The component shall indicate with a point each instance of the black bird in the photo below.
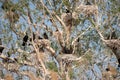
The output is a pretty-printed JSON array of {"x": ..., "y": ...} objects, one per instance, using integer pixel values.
[
  {"x": 119, "y": 62},
  {"x": 107, "y": 69},
  {"x": 78, "y": 39},
  {"x": 39, "y": 37},
  {"x": 65, "y": 50},
  {"x": 25, "y": 39},
  {"x": 1, "y": 47},
  {"x": 88, "y": 3},
  {"x": 45, "y": 36},
  {"x": 67, "y": 11}
]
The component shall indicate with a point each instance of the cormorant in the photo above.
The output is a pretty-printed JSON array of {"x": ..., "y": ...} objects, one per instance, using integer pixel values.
[
  {"x": 1, "y": 47},
  {"x": 45, "y": 35},
  {"x": 67, "y": 11},
  {"x": 25, "y": 39}
]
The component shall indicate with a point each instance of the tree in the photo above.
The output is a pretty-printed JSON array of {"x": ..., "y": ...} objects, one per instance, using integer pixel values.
[{"x": 59, "y": 39}]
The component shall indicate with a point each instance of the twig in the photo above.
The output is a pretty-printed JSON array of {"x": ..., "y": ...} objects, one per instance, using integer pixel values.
[
  {"x": 4, "y": 57},
  {"x": 49, "y": 13},
  {"x": 67, "y": 76},
  {"x": 80, "y": 35},
  {"x": 51, "y": 50},
  {"x": 31, "y": 75},
  {"x": 58, "y": 18},
  {"x": 37, "y": 49}
]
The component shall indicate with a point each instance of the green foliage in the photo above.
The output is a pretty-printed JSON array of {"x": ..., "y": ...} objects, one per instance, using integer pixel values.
[
  {"x": 52, "y": 66},
  {"x": 54, "y": 46},
  {"x": 71, "y": 74},
  {"x": 88, "y": 56},
  {"x": 66, "y": 3},
  {"x": 115, "y": 6}
]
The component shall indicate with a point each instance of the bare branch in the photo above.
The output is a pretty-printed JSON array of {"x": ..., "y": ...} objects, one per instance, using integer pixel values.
[{"x": 31, "y": 75}]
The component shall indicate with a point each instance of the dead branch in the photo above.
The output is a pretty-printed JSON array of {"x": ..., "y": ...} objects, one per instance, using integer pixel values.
[
  {"x": 31, "y": 75},
  {"x": 59, "y": 37},
  {"x": 37, "y": 50},
  {"x": 39, "y": 59},
  {"x": 51, "y": 50}
]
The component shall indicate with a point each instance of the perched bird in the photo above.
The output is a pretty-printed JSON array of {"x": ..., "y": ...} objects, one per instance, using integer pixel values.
[
  {"x": 65, "y": 50},
  {"x": 88, "y": 3},
  {"x": 25, "y": 39},
  {"x": 78, "y": 39},
  {"x": 45, "y": 35},
  {"x": 39, "y": 37},
  {"x": 67, "y": 11},
  {"x": 1, "y": 47},
  {"x": 119, "y": 62},
  {"x": 33, "y": 36}
]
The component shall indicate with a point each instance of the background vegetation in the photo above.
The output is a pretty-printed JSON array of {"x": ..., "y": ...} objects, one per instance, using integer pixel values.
[{"x": 59, "y": 39}]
